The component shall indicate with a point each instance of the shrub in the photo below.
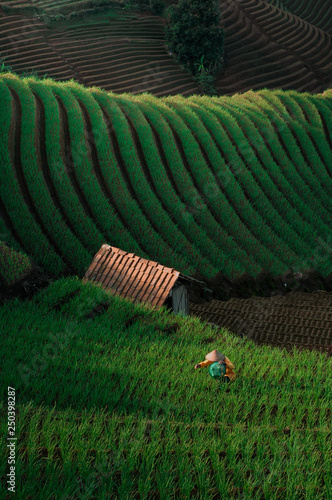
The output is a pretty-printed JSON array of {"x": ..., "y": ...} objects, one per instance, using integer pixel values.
[{"x": 207, "y": 83}]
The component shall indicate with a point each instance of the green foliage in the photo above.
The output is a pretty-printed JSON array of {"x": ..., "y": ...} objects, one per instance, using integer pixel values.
[
  {"x": 149, "y": 215},
  {"x": 213, "y": 212},
  {"x": 4, "y": 68},
  {"x": 227, "y": 199},
  {"x": 85, "y": 228},
  {"x": 46, "y": 212},
  {"x": 22, "y": 220},
  {"x": 193, "y": 32},
  {"x": 201, "y": 68},
  {"x": 158, "y": 7},
  {"x": 207, "y": 82},
  {"x": 180, "y": 232},
  {"x": 104, "y": 214}
]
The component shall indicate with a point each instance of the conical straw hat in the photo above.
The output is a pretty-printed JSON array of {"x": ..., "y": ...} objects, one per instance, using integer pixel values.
[{"x": 215, "y": 356}]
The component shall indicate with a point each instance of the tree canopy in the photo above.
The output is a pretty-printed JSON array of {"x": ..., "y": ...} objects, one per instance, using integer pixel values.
[{"x": 194, "y": 34}]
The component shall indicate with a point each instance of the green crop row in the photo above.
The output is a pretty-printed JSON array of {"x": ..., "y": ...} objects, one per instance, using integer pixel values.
[
  {"x": 305, "y": 151},
  {"x": 251, "y": 222},
  {"x": 24, "y": 223},
  {"x": 135, "y": 219},
  {"x": 104, "y": 213},
  {"x": 281, "y": 192},
  {"x": 172, "y": 241},
  {"x": 245, "y": 231},
  {"x": 233, "y": 184},
  {"x": 6, "y": 235},
  {"x": 297, "y": 143},
  {"x": 57, "y": 159},
  {"x": 301, "y": 177},
  {"x": 253, "y": 179},
  {"x": 56, "y": 229},
  {"x": 317, "y": 226},
  {"x": 315, "y": 112},
  {"x": 193, "y": 214},
  {"x": 298, "y": 181},
  {"x": 193, "y": 180},
  {"x": 165, "y": 191}
]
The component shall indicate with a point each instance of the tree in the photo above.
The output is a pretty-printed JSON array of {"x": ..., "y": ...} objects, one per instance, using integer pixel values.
[{"x": 194, "y": 34}]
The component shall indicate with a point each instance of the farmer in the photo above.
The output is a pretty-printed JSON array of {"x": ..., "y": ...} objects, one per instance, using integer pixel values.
[{"x": 216, "y": 356}]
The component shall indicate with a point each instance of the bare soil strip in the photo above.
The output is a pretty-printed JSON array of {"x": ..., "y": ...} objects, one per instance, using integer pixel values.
[{"x": 279, "y": 321}]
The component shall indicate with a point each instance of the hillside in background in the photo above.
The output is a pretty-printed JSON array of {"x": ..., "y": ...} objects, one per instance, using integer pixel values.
[
  {"x": 285, "y": 45},
  {"x": 117, "y": 50},
  {"x": 269, "y": 46},
  {"x": 233, "y": 185},
  {"x": 316, "y": 12}
]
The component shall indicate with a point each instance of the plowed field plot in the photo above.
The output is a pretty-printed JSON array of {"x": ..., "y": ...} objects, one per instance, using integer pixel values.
[
  {"x": 121, "y": 54},
  {"x": 303, "y": 320}
]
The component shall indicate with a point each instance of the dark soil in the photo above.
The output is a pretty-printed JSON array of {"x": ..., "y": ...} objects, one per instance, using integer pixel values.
[
  {"x": 296, "y": 319},
  {"x": 26, "y": 288},
  {"x": 264, "y": 285}
]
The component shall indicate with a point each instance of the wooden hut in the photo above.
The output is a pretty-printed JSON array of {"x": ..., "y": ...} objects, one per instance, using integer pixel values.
[{"x": 139, "y": 279}]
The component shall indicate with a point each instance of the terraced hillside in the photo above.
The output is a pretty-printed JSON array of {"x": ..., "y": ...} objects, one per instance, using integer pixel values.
[
  {"x": 275, "y": 44},
  {"x": 233, "y": 185},
  {"x": 117, "y": 51},
  {"x": 316, "y": 12},
  {"x": 267, "y": 46}
]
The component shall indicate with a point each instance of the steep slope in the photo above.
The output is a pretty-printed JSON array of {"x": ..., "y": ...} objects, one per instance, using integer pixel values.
[{"x": 272, "y": 48}]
